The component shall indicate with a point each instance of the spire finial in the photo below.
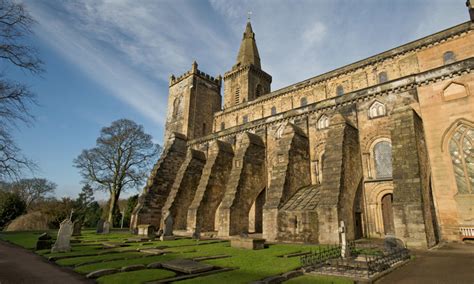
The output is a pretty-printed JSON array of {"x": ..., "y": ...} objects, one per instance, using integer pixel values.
[{"x": 249, "y": 14}]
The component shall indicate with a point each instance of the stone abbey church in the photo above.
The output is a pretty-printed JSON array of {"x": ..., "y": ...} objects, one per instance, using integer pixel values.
[{"x": 384, "y": 144}]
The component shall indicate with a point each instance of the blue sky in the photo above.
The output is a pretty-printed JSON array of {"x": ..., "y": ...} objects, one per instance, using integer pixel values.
[{"x": 111, "y": 59}]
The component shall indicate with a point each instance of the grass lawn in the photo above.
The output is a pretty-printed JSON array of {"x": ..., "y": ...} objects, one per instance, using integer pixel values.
[
  {"x": 320, "y": 279},
  {"x": 251, "y": 265},
  {"x": 136, "y": 276}
]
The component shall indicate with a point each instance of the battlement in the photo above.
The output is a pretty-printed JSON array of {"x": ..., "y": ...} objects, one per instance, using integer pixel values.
[{"x": 195, "y": 71}]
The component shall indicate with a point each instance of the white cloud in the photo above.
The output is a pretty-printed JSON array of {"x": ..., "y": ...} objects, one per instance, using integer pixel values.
[{"x": 314, "y": 34}]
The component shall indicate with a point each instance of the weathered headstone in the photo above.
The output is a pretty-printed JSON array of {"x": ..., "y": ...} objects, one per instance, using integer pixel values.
[
  {"x": 345, "y": 250},
  {"x": 44, "y": 242},
  {"x": 100, "y": 226},
  {"x": 63, "y": 242},
  {"x": 167, "y": 228},
  {"x": 197, "y": 233},
  {"x": 392, "y": 243},
  {"x": 106, "y": 228},
  {"x": 77, "y": 228}
]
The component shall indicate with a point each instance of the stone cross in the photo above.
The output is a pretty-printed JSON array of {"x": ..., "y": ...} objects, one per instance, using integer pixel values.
[
  {"x": 345, "y": 250},
  {"x": 63, "y": 242},
  {"x": 249, "y": 14}
]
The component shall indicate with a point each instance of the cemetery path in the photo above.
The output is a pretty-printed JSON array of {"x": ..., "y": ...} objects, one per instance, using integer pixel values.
[
  {"x": 18, "y": 265},
  {"x": 450, "y": 263}
]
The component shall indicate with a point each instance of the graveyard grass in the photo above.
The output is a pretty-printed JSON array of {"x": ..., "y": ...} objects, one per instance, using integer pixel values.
[{"x": 89, "y": 255}]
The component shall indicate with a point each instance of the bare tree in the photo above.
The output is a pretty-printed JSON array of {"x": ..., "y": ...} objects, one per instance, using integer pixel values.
[
  {"x": 33, "y": 190},
  {"x": 121, "y": 160},
  {"x": 15, "y": 97}
]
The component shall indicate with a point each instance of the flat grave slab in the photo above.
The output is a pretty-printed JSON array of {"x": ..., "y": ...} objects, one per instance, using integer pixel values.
[
  {"x": 187, "y": 266},
  {"x": 153, "y": 251},
  {"x": 247, "y": 243}
]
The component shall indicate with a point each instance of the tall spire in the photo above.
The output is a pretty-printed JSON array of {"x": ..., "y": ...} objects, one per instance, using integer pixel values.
[{"x": 248, "y": 52}]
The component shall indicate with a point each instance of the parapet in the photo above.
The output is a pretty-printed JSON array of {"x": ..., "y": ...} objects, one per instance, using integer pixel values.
[{"x": 195, "y": 71}]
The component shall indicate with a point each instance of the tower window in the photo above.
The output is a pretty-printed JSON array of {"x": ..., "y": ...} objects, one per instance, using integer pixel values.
[
  {"x": 222, "y": 126},
  {"x": 203, "y": 129},
  {"x": 303, "y": 101},
  {"x": 383, "y": 77},
  {"x": 237, "y": 95},
  {"x": 273, "y": 110},
  {"x": 339, "y": 90},
  {"x": 449, "y": 57},
  {"x": 245, "y": 118}
]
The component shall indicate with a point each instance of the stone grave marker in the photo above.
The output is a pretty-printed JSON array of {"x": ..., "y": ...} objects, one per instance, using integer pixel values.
[
  {"x": 100, "y": 226},
  {"x": 345, "y": 249},
  {"x": 391, "y": 243},
  {"x": 44, "y": 242},
  {"x": 77, "y": 228},
  {"x": 146, "y": 230},
  {"x": 63, "y": 242},
  {"x": 168, "y": 228},
  {"x": 187, "y": 266},
  {"x": 106, "y": 228},
  {"x": 197, "y": 233}
]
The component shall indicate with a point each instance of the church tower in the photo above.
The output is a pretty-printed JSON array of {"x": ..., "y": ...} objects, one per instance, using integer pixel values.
[
  {"x": 246, "y": 81},
  {"x": 193, "y": 99}
]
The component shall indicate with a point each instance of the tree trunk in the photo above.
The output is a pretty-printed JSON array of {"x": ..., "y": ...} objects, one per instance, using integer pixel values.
[{"x": 112, "y": 203}]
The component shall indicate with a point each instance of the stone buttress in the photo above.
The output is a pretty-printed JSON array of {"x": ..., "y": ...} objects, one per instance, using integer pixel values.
[
  {"x": 157, "y": 189},
  {"x": 184, "y": 188},
  {"x": 211, "y": 188},
  {"x": 247, "y": 180}
]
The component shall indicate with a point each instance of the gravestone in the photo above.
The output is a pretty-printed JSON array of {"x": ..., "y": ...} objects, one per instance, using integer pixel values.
[
  {"x": 77, "y": 228},
  {"x": 187, "y": 266},
  {"x": 63, "y": 242},
  {"x": 44, "y": 242},
  {"x": 391, "y": 243},
  {"x": 345, "y": 249},
  {"x": 100, "y": 226},
  {"x": 197, "y": 233},
  {"x": 168, "y": 228},
  {"x": 106, "y": 228}
]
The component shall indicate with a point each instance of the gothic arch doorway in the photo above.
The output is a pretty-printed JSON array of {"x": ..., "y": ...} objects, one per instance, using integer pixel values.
[
  {"x": 387, "y": 214},
  {"x": 256, "y": 214}
]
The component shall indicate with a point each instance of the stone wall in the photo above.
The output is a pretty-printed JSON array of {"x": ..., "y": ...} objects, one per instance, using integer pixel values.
[
  {"x": 211, "y": 188},
  {"x": 247, "y": 180},
  {"x": 184, "y": 188},
  {"x": 157, "y": 189}
]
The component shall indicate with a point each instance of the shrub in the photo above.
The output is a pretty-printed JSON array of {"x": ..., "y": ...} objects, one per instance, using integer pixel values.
[{"x": 11, "y": 206}]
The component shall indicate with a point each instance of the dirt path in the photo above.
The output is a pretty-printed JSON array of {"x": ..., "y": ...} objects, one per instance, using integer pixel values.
[
  {"x": 450, "y": 263},
  {"x": 18, "y": 265}
]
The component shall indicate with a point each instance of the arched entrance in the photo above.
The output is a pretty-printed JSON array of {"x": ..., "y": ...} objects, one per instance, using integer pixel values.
[
  {"x": 387, "y": 214},
  {"x": 256, "y": 214}
]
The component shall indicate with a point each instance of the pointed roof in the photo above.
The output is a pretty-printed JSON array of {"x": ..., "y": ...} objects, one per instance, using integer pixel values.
[{"x": 248, "y": 52}]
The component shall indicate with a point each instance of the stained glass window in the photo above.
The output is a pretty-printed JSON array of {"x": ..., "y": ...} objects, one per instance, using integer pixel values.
[
  {"x": 462, "y": 156},
  {"x": 383, "y": 159}
]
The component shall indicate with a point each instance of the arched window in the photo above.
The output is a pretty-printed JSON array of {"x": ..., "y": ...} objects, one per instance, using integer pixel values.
[
  {"x": 273, "y": 110},
  {"x": 377, "y": 109},
  {"x": 461, "y": 149},
  {"x": 245, "y": 118},
  {"x": 303, "y": 101},
  {"x": 383, "y": 159},
  {"x": 204, "y": 129},
  {"x": 449, "y": 57},
  {"x": 222, "y": 126},
  {"x": 237, "y": 95},
  {"x": 339, "y": 90},
  {"x": 258, "y": 91},
  {"x": 323, "y": 122},
  {"x": 383, "y": 77},
  {"x": 320, "y": 166},
  {"x": 176, "y": 104}
]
